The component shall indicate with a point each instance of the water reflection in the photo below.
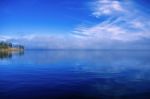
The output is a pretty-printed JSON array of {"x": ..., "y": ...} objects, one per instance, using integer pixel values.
[
  {"x": 10, "y": 54},
  {"x": 5, "y": 55}
]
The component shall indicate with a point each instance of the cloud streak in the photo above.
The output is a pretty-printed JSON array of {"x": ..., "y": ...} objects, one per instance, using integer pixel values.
[
  {"x": 106, "y": 7},
  {"x": 121, "y": 24}
]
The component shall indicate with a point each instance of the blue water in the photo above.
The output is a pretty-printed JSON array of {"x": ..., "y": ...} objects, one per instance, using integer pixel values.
[{"x": 103, "y": 74}]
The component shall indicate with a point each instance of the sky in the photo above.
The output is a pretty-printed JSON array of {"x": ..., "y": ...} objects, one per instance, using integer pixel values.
[{"x": 76, "y": 24}]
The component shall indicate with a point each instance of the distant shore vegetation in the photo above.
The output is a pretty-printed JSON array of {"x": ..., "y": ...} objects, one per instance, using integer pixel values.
[{"x": 7, "y": 46}]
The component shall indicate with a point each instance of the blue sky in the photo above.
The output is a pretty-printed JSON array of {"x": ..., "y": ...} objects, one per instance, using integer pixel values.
[
  {"x": 76, "y": 24},
  {"x": 41, "y": 16}
]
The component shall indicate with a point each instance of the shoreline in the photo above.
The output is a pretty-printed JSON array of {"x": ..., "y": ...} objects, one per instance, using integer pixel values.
[{"x": 11, "y": 49}]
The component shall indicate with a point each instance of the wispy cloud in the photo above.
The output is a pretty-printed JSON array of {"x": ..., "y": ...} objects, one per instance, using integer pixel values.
[
  {"x": 124, "y": 22},
  {"x": 106, "y": 7}
]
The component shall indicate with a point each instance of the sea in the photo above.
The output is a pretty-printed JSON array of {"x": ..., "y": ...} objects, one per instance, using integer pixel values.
[{"x": 75, "y": 74}]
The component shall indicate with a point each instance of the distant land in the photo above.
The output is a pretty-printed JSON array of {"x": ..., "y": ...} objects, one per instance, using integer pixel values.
[{"x": 9, "y": 47}]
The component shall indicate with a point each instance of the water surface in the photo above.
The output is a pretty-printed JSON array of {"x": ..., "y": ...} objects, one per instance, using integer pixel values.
[{"x": 103, "y": 74}]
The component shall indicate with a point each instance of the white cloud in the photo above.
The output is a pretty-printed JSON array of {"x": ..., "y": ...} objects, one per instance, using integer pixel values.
[
  {"x": 124, "y": 22},
  {"x": 4, "y": 38},
  {"x": 106, "y": 7}
]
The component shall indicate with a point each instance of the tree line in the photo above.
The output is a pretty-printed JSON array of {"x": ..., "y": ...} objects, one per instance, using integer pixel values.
[{"x": 5, "y": 45}]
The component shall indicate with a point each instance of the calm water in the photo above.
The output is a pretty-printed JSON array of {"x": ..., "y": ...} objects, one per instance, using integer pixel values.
[{"x": 75, "y": 75}]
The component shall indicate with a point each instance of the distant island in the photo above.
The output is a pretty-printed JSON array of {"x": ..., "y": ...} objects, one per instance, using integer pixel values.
[{"x": 9, "y": 47}]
